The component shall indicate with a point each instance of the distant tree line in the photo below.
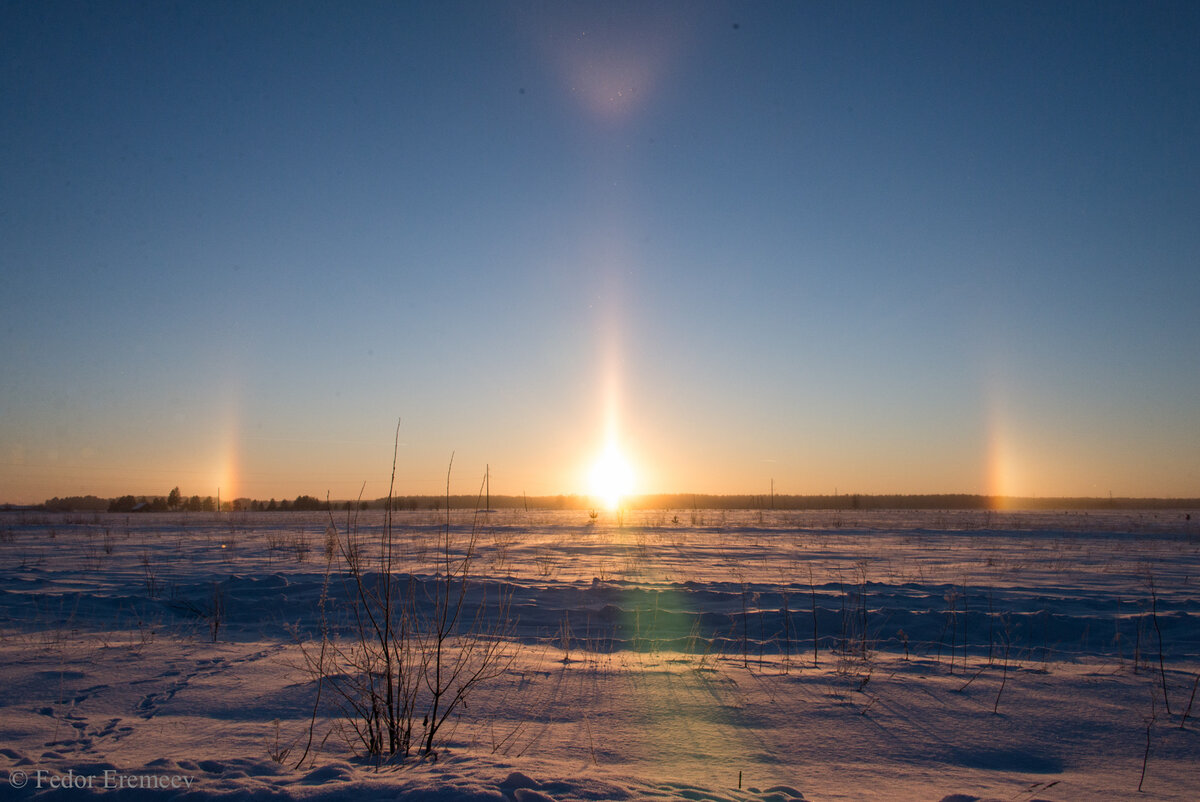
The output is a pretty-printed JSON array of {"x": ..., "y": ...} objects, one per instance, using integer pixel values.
[
  {"x": 175, "y": 501},
  {"x": 76, "y": 504}
]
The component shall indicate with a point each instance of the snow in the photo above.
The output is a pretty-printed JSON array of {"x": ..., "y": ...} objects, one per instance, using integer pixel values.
[{"x": 960, "y": 656}]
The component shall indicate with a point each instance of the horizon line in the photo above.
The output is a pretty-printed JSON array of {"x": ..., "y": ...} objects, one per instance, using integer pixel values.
[{"x": 673, "y": 500}]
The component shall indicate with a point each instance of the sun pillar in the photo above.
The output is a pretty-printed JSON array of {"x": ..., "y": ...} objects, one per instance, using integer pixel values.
[{"x": 611, "y": 478}]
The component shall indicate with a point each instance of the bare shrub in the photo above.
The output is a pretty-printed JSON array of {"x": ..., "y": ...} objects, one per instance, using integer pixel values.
[
  {"x": 417, "y": 647},
  {"x": 150, "y": 575},
  {"x": 546, "y": 563},
  {"x": 301, "y": 547},
  {"x": 502, "y": 540},
  {"x": 275, "y": 540},
  {"x": 211, "y": 611},
  {"x": 331, "y": 541},
  {"x": 276, "y": 750}
]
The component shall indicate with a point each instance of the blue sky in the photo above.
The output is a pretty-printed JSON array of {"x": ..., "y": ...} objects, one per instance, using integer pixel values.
[{"x": 872, "y": 247}]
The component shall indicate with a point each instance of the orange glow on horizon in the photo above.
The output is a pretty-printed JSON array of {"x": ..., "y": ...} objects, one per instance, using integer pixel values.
[
  {"x": 611, "y": 477},
  {"x": 229, "y": 457}
]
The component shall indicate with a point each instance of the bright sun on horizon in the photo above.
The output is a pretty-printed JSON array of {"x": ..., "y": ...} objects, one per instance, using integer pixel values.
[{"x": 611, "y": 478}]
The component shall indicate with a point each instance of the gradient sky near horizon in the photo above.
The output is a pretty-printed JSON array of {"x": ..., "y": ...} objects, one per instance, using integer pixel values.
[{"x": 864, "y": 247}]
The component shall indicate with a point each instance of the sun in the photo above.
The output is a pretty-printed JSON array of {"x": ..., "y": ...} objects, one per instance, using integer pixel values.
[{"x": 612, "y": 478}]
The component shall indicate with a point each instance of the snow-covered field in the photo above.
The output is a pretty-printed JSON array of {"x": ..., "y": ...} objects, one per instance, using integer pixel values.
[{"x": 670, "y": 655}]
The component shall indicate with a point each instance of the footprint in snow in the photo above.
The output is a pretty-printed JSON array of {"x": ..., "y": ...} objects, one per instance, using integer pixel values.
[
  {"x": 530, "y": 795},
  {"x": 523, "y": 788}
]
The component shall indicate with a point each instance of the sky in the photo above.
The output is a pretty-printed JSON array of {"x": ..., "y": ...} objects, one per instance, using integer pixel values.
[{"x": 841, "y": 247}]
